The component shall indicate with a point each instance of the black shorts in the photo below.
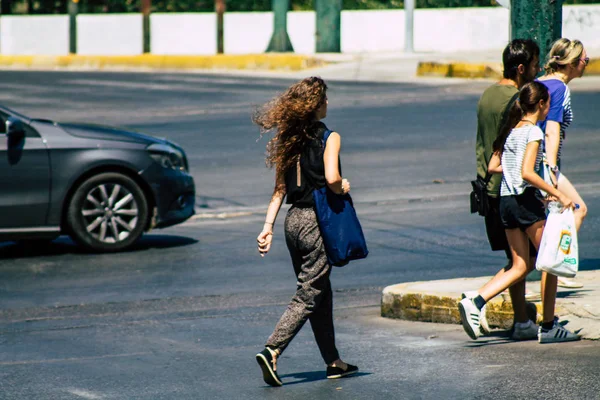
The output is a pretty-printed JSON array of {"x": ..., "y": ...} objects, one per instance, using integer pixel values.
[
  {"x": 496, "y": 232},
  {"x": 523, "y": 210}
]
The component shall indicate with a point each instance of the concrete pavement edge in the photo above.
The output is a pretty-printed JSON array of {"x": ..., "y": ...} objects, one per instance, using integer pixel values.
[
  {"x": 488, "y": 70},
  {"x": 437, "y": 301},
  {"x": 269, "y": 61}
]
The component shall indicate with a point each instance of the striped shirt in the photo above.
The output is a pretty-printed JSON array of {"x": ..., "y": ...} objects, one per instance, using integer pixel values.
[
  {"x": 512, "y": 159},
  {"x": 560, "y": 109}
]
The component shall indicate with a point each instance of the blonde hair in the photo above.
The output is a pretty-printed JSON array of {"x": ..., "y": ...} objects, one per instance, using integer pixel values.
[{"x": 564, "y": 52}]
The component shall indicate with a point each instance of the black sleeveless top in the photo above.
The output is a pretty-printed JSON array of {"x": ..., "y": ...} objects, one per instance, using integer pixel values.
[{"x": 312, "y": 172}]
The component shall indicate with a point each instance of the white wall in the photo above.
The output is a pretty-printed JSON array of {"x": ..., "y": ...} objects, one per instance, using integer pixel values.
[
  {"x": 583, "y": 23},
  {"x": 43, "y": 34},
  {"x": 247, "y": 32},
  {"x": 461, "y": 29},
  {"x": 363, "y": 31},
  {"x": 189, "y": 33},
  {"x": 109, "y": 34},
  {"x": 442, "y": 30}
]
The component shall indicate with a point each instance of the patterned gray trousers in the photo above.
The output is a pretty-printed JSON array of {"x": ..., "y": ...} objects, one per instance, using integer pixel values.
[{"x": 313, "y": 298}]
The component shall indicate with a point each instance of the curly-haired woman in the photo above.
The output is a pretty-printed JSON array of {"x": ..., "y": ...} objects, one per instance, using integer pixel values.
[{"x": 302, "y": 164}]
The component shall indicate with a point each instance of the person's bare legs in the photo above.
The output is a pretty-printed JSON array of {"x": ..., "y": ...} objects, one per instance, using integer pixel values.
[
  {"x": 519, "y": 245},
  {"x": 565, "y": 186},
  {"x": 517, "y": 291},
  {"x": 549, "y": 287}
]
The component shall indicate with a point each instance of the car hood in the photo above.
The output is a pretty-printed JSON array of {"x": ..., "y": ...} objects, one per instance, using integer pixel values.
[{"x": 102, "y": 132}]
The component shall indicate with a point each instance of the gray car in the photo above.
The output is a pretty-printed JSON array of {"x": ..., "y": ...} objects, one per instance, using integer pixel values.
[{"x": 102, "y": 186}]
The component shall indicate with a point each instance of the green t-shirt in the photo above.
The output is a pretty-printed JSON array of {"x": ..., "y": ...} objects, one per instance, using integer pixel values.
[{"x": 492, "y": 110}]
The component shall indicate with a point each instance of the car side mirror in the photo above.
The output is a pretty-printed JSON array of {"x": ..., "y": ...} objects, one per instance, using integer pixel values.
[{"x": 15, "y": 130}]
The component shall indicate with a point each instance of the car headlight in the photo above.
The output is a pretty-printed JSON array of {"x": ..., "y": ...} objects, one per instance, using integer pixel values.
[{"x": 167, "y": 156}]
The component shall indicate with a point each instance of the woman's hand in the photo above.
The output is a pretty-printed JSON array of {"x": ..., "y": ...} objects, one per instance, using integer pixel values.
[
  {"x": 264, "y": 242},
  {"x": 345, "y": 186},
  {"x": 566, "y": 202}
]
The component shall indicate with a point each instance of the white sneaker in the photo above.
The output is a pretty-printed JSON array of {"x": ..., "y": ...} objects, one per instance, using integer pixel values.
[
  {"x": 557, "y": 334},
  {"x": 483, "y": 322},
  {"x": 527, "y": 332},
  {"x": 469, "y": 316},
  {"x": 569, "y": 283}
]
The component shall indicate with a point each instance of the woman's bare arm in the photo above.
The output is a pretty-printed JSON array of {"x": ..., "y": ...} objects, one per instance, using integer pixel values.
[
  {"x": 265, "y": 238},
  {"x": 529, "y": 174},
  {"x": 332, "y": 172},
  {"x": 495, "y": 165}
]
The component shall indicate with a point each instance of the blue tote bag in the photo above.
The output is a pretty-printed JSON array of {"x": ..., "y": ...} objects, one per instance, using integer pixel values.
[{"x": 340, "y": 229}]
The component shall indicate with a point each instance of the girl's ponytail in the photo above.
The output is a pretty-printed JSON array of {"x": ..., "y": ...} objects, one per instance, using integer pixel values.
[
  {"x": 529, "y": 98},
  {"x": 515, "y": 114}
]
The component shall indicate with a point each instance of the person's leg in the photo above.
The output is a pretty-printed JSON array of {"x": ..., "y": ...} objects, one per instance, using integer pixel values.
[
  {"x": 310, "y": 264},
  {"x": 519, "y": 245},
  {"x": 321, "y": 321},
  {"x": 470, "y": 309},
  {"x": 549, "y": 281},
  {"x": 565, "y": 186},
  {"x": 549, "y": 288}
]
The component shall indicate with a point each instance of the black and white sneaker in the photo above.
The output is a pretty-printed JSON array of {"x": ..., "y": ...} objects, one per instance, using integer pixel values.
[
  {"x": 265, "y": 360},
  {"x": 337, "y": 372},
  {"x": 484, "y": 327},
  {"x": 557, "y": 334},
  {"x": 469, "y": 316}
]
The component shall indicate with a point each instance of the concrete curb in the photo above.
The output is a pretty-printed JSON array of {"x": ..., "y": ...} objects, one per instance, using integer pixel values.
[
  {"x": 276, "y": 61},
  {"x": 477, "y": 70},
  {"x": 459, "y": 70},
  {"x": 437, "y": 301},
  {"x": 403, "y": 302}
]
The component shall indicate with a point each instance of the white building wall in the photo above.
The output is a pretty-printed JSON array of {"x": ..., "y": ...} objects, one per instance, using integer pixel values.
[
  {"x": 246, "y": 33},
  {"x": 441, "y": 30},
  {"x": 583, "y": 23},
  {"x": 185, "y": 33},
  {"x": 363, "y": 31},
  {"x": 109, "y": 34},
  {"x": 40, "y": 34}
]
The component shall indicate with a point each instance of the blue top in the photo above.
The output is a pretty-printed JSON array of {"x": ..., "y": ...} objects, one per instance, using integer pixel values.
[{"x": 560, "y": 109}]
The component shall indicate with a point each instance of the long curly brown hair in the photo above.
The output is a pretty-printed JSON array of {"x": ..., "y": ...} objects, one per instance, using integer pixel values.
[{"x": 293, "y": 117}]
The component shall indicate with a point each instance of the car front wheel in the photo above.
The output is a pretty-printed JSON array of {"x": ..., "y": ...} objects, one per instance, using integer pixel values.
[{"x": 107, "y": 212}]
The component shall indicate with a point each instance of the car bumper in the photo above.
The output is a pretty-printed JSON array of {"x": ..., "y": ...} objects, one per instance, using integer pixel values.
[{"x": 174, "y": 195}]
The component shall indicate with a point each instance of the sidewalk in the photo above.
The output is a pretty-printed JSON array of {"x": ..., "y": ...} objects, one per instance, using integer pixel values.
[
  {"x": 437, "y": 301},
  {"x": 357, "y": 67}
]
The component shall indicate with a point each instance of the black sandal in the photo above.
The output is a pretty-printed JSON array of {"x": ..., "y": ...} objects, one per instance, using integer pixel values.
[
  {"x": 265, "y": 360},
  {"x": 337, "y": 372}
]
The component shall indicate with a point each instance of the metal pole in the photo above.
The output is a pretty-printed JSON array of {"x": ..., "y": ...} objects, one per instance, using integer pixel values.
[
  {"x": 540, "y": 20},
  {"x": 146, "y": 6},
  {"x": 409, "y": 18},
  {"x": 280, "y": 41},
  {"x": 73, "y": 10},
  {"x": 329, "y": 20},
  {"x": 220, "y": 10}
]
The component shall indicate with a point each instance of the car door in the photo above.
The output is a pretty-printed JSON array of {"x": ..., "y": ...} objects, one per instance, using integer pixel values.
[{"x": 24, "y": 179}]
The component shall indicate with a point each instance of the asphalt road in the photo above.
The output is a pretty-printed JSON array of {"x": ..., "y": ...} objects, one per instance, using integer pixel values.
[{"x": 182, "y": 314}]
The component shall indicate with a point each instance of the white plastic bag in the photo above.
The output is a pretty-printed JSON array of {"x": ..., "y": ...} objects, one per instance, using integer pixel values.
[{"x": 558, "y": 253}]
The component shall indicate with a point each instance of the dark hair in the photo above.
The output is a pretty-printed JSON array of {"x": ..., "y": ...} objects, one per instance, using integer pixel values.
[
  {"x": 517, "y": 52},
  {"x": 292, "y": 115},
  {"x": 529, "y": 98}
]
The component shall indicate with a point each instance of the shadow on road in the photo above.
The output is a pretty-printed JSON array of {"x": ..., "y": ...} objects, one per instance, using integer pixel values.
[
  {"x": 64, "y": 245},
  {"x": 312, "y": 376}
]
